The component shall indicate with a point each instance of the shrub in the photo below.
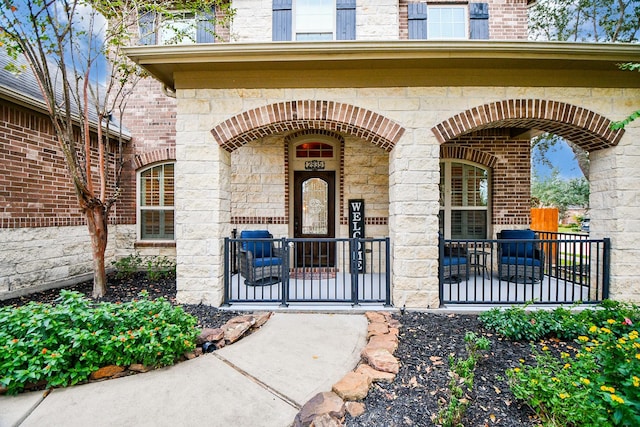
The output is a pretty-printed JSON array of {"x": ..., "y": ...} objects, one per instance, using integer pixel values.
[
  {"x": 160, "y": 267},
  {"x": 127, "y": 266},
  {"x": 62, "y": 344},
  {"x": 156, "y": 267},
  {"x": 597, "y": 385}
]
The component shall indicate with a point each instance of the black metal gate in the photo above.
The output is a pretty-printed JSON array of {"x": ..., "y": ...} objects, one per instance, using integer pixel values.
[{"x": 270, "y": 271}]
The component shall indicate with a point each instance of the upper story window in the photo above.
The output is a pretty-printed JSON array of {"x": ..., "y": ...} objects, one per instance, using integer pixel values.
[
  {"x": 448, "y": 21},
  {"x": 314, "y": 20},
  {"x": 307, "y": 20},
  {"x": 156, "y": 203},
  {"x": 179, "y": 28}
]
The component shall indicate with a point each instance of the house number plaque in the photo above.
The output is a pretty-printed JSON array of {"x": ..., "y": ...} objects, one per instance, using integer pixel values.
[{"x": 314, "y": 165}]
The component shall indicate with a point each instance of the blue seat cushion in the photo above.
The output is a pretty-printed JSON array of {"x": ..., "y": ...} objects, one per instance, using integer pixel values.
[
  {"x": 454, "y": 260},
  {"x": 267, "y": 262},
  {"x": 518, "y": 249},
  {"x": 259, "y": 249},
  {"x": 512, "y": 260}
]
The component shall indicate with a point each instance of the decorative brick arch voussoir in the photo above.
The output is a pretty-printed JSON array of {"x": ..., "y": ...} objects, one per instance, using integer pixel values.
[
  {"x": 466, "y": 153},
  {"x": 161, "y": 155},
  {"x": 583, "y": 127},
  {"x": 233, "y": 133}
]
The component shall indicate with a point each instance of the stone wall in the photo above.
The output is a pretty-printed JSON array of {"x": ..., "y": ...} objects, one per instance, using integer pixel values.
[
  {"x": 413, "y": 175},
  {"x": 34, "y": 259}
]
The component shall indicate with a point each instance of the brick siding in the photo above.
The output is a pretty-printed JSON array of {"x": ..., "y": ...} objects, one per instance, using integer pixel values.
[
  {"x": 510, "y": 164},
  {"x": 35, "y": 187},
  {"x": 583, "y": 127},
  {"x": 326, "y": 115},
  {"x": 507, "y": 18}
]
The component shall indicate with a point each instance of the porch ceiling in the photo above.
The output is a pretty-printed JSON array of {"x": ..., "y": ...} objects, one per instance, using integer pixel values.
[{"x": 391, "y": 63}]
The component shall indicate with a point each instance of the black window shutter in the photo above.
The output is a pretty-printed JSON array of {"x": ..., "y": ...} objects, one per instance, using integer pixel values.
[
  {"x": 479, "y": 21},
  {"x": 417, "y": 21},
  {"x": 147, "y": 28},
  {"x": 205, "y": 32},
  {"x": 345, "y": 19},
  {"x": 281, "y": 20}
]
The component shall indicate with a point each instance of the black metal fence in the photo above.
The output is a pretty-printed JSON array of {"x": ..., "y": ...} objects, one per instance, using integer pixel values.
[
  {"x": 553, "y": 268},
  {"x": 286, "y": 271}
]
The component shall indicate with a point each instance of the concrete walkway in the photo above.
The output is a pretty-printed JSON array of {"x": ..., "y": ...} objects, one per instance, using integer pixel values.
[{"x": 262, "y": 380}]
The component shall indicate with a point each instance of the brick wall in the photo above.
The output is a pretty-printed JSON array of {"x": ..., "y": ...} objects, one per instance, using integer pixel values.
[
  {"x": 510, "y": 173},
  {"x": 151, "y": 119},
  {"x": 507, "y": 18},
  {"x": 35, "y": 187}
]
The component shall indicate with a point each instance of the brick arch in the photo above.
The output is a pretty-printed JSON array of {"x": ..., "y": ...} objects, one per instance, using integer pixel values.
[
  {"x": 583, "y": 127},
  {"x": 161, "y": 155},
  {"x": 259, "y": 122},
  {"x": 466, "y": 153}
]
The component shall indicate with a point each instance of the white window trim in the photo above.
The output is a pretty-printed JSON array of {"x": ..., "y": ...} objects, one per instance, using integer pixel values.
[
  {"x": 447, "y": 208},
  {"x": 139, "y": 207},
  {"x": 188, "y": 21},
  {"x": 294, "y": 26},
  {"x": 464, "y": 7}
]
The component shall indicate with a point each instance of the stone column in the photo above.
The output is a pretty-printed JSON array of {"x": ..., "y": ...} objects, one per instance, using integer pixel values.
[
  {"x": 615, "y": 209},
  {"x": 414, "y": 175},
  {"x": 202, "y": 204}
]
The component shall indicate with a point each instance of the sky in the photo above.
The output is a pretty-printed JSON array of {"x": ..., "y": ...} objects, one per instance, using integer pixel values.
[{"x": 562, "y": 158}]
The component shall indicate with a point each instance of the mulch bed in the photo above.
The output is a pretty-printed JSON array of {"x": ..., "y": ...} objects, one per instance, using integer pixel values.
[{"x": 426, "y": 341}]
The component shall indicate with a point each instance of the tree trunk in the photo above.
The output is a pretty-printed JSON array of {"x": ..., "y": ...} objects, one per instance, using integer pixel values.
[
  {"x": 97, "y": 222},
  {"x": 582, "y": 157}
]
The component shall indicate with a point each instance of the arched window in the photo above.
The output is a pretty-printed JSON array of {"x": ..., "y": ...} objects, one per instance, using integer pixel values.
[
  {"x": 464, "y": 200},
  {"x": 156, "y": 203}
]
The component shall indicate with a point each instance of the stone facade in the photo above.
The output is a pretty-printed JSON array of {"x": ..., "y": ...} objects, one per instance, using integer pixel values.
[
  {"x": 232, "y": 153},
  {"x": 207, "y": 170}
]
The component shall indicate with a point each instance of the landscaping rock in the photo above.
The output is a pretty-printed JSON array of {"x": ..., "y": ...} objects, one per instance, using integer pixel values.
[
  {"x": 353, "y": 386},
  {"x": 106, "y": 372},
  {"x": 138, "y": 367},
  {"x": 325, "y": 421},
  {"x": 374, "y": 316},
  {"x": 355, "y": 409},
  {"x": 377, "y": 328},
  {"x": 375, "y": 375},
  {"x": 243, "y": 319},
  {"x": 380, "y": 359},
  {"x": 210, "y": 334},
  {"x": 388, "y": 342},
  {"x": 233, "y": 331},
  {"x": 260, "y": 319},
  {"x": 322, "y": 403}
]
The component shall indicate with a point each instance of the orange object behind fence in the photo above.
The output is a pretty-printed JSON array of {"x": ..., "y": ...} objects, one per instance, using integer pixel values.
[{"x": 546, "y": 219}]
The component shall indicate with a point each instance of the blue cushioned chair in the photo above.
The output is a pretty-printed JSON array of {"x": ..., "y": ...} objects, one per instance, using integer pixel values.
[
  {"x": 455, "y": 264},
  {"x": 521, "y": 261},
  {"x": 260, "y": 261}
]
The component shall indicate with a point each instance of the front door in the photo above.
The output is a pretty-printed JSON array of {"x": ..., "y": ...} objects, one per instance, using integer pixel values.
[{"x": 314, "y": 217}]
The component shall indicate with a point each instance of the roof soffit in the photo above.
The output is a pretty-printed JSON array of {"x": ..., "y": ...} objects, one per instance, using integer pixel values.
[{"x": 419, "y": 63}]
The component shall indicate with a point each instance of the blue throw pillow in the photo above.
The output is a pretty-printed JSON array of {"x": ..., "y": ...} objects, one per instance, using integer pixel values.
[
  {"x": 520, "y": 249},
  {"x": 259, "y": 249}
]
